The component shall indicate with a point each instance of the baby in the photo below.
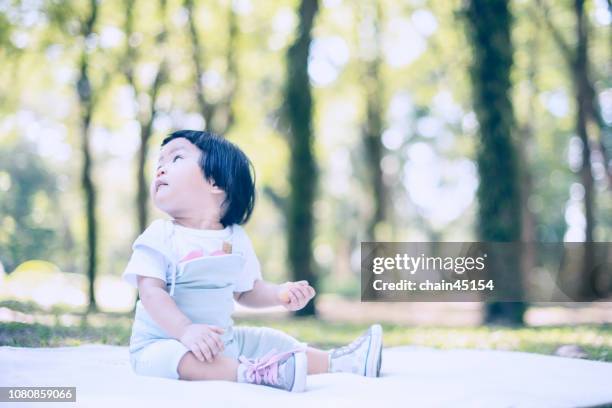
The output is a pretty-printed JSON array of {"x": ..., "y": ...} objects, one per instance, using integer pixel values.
[{"x": 191, "y": 268}]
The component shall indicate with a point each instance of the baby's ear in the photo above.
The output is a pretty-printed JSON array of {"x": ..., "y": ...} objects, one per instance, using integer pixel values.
[{"x": 216, "y": 189}]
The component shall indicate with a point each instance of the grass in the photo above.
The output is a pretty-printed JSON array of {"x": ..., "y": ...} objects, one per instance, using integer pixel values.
[{"x": 65, "y": 327}]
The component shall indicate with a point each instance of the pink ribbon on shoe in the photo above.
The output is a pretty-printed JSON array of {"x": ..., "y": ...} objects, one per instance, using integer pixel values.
[{"x": 265, "y": 368}]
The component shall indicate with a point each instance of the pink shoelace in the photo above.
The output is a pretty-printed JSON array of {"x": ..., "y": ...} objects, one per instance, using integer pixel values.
[{"x": 265, "y": 368}]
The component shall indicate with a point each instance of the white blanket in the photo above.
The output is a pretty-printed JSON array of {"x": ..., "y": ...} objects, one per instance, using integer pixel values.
[{"x": 411, "y": 376}]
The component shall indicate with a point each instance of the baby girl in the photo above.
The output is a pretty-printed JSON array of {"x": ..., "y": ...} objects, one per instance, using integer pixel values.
[{"x": 190, "y": 269}]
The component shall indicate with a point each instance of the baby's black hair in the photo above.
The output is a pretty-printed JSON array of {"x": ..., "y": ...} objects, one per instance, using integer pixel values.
[{"x": 223, "y": 163}]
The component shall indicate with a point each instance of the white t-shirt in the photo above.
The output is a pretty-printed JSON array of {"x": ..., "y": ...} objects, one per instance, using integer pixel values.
[{"x": 164, "y": 243}]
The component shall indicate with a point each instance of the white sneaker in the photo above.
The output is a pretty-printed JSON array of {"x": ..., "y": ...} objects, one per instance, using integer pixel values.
[{"x": 363, "y": 356}]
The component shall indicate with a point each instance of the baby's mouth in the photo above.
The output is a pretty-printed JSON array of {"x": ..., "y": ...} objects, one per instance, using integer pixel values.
[{"x": 160, "y": 185}]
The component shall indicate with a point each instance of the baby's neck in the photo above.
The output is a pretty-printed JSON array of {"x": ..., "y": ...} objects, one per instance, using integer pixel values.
[{"x": 199, "y": 223}]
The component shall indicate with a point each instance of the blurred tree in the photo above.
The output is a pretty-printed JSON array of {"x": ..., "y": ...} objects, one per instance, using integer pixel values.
[
  {"x": 587, "y": 112},
  {"x": 489, "y": 28},
  {"x": 219, "y": 116},
  {"x": 206, "y": 108},
  {"x": 146, "y": 113},
  {"x": 373, "y": 126},
  {"x": 425, "y": 87},
  {"x": 8, "y": 52},
  {"x": 302, "y": 165},
  {"x": 89, "y": 96},
  {"x": 525, "y": 143},
  {"x": 87, "y": 102},
  {"x": 5, "y": 30},
  {"x": 28, "y": 193}
]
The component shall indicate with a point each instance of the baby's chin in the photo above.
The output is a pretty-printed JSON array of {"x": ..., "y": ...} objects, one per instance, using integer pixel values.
[{"x": 165, "y": 207}]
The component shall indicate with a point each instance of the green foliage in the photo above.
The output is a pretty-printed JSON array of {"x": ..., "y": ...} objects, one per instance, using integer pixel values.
[
  {"x": 38, "y": 92},
  {"x": 5, "y": 30},
  {"x": 28, "y": 193}
]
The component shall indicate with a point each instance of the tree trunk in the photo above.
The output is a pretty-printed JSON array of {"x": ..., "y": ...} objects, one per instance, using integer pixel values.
[
  {"x": 232, "y": 73},
  {"x": 499, "y": 212},
  {"x": 583, "y": 101},
  {"x": 219, "y": 117},
  {"x": 303, "y": 171},
  {"x": 206, "y": 109},
  {"x": 528, "y": 221},
  {"x": 373, "y": 126},
  {"x": 586, "y": 108},
  {"x": 85, "y": 94}
]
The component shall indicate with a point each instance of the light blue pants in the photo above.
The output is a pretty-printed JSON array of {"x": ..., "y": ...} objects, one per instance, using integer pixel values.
[{"x": 161, "y": 358}]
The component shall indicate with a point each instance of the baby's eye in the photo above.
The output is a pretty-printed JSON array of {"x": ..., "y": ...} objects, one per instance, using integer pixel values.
[{"x": 176, "y": 157}]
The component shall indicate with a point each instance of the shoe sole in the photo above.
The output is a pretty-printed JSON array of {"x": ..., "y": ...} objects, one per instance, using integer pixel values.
[
  {"x": 374, "y": 357},
  {"x": 301, "y": 372}
]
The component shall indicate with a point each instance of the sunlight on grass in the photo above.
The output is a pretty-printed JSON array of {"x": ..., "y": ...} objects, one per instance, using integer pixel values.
[
  {"x": 45, "y": 284},
  {"x": 65, "y": 327}
]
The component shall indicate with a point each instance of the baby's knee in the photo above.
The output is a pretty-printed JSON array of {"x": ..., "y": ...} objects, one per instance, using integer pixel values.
[
  {"x": 192, "y": 369},
  {"x": 188, "y": 368}
]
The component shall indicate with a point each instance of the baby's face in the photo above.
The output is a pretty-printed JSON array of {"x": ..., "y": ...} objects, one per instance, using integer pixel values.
[{"x": 179, "y": 187}]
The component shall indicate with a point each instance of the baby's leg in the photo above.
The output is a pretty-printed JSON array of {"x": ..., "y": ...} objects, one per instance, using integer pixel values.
[
  {"x": 221, "y": 368},
  {"x": 317, "y": 361},
  {"x": 254, "y": 342},
  {"x": 225, "y": 368}
]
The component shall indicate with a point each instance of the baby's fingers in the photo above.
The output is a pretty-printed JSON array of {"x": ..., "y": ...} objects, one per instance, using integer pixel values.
[
  {"x": 216, "y": 329},
  {"x": 301, "y": 297},
  {"x": 208, "y": 354},
  {"x": 214, "y": 334},
  {"x": 195, "y": 349},
  {"x": 212, "y": 343},
  {"x": 305, "y": 291},
  {"x": 293, "y": 299},
  {"x": 219, "y": 342}
]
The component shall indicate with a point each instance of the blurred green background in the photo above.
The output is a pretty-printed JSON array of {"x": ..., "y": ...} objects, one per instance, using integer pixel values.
[{"x": 419, "y": 120}]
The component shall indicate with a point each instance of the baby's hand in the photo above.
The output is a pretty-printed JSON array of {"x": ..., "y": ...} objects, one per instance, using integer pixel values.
[
  {"x": 203, "y": 340},
  {"x": 295, "y": 295}
]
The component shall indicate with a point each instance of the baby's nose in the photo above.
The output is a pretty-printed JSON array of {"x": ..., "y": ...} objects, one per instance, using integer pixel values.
[{"x": 160, "y": 171}]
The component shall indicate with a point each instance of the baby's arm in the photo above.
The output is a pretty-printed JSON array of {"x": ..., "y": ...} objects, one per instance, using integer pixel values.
[
  {"x": 161, "y": 307},
  {"x": 203, "y": 340},
  {"x": 263, "y": 294},
  {"x": 292, "y": 295}
]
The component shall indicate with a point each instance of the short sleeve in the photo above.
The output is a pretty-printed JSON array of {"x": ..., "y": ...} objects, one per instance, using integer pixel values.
[
  {"x": 252, "y": 270},
  {"x": 145, "y": 262},
  {"x": 150, "y": 254}
]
